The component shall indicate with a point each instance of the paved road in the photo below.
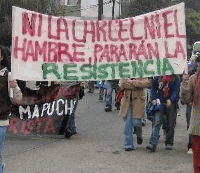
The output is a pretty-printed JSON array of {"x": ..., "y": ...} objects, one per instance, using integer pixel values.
[{"x": 97, "y": 148}]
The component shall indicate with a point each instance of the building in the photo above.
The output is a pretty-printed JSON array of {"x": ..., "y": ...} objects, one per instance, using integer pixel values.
[
  {"x": 89, "y": 9},
  {"x": 71, "y": 7},
  {"x": 68, "y": 2}
]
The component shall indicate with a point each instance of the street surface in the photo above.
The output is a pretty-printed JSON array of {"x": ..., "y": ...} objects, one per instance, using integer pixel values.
[{"x": 97, "y": 148}]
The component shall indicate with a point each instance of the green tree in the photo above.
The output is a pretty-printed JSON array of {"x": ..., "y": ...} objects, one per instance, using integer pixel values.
[
  {"x": 138, "y": 7},
  {"x": 41, "y": 6},
  {"x": 192, "y": 25}
]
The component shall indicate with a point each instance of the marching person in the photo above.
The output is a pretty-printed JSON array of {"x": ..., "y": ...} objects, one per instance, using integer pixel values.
[
  {"x": 132, "y": 109},
  {"x": 91, "y": 86},
  {"x": 102, "y": 88},
  {"x": 10, "y": 92},
  {"x": 190, "y": 92},
  {"x": 191, "y": 71},
  {"x": 110, "y": 86},
  {"x": 165, "y": 90}
]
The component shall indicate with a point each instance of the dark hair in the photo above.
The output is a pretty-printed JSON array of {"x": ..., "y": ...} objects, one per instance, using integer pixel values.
[
  {"x": 6, "y": 61},
  {"x": 197, "y": 59}
]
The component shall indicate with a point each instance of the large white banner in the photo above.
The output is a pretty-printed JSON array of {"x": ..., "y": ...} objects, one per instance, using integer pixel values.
[{"x": 60, "y": 49}]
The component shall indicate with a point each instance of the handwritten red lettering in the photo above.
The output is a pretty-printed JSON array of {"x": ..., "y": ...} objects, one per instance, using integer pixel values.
[
  {"x": 30, "y": 51},
  {"x": 105, "y": 54},
  {"x": 52, "y": 52},
  {"x": 61, "y": 22},
  {"x": 78, "y": 53},
  {"x": 13, "y": 125},
  {"x": 110, "y": 32},
  {"x": 87, "y": 31},
  {"x": 158, "y": 25},
  {"x": 41, "y": 50},
  {"x": 167, "y": 54},
  {"x": 132, "y": 29},
  {"x": 50, "y": 126},
  {"x": 28, "y": 25},
  {"x": 18, "y": 49},
  {"x": 122, "y": 53},
  {"x": 63, "y": 51},
  {"x": 153, "y": 51},
  {"x": 29, "y": 127},
  {"x": 74, "y": 29},
  {"x": 180, "y": 49},
  {"x": 122, "y": 31},
  {"x": 38, "y": 122},
  {"x": 113, "y": 52},
  {"x": 97, "y": 49},
  {"x": 50, "y": 36},
  {"x": 167, "y": 25},
  {"x": 176, "y": 24},
  {"x": 132, "y": 51},
  {"x": 100, "y": 29},
  {"x": 40, "y": 25},
  {"x": 149, "y": 26},
  {"x": 142, "y": 51}
]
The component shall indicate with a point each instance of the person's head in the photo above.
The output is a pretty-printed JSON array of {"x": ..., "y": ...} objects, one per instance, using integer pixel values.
[
  {"x": 197, "y": 53},
  {"x": 4, "y": 58},
  {"x": 197, "y": 61}
]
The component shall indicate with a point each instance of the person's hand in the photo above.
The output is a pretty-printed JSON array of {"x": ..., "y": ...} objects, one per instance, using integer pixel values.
[
  {"x": 185, "y": 77},
  {"x": 154, "y": 102},
  {"x": 168, "y": 103},
  {"x": 129, "y": 81},
  {"x": 13, "y": 83}
]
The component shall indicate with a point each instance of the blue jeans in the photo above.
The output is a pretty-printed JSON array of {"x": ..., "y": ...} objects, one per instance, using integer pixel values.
[
  {"x": 110, "y": 85},
  {"x": 2, "y": 139},
  {"x": 156, "y": 124},
  {"x": 188, "y": 115},
  {"x": 129, "y": 127}
]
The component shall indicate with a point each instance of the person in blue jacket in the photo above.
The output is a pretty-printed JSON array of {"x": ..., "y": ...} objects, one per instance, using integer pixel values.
[{"x": 165, "y": 91}]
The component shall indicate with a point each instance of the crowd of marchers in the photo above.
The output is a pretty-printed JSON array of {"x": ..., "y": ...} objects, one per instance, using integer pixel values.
[{"x": 158, "y": 99}]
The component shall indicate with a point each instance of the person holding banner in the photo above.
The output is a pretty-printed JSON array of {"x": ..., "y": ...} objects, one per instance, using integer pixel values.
[
  {"x": 132, "y": 109},
  {"x": 190, "y": 92},
  {"x": 10, "y": 92},
  {"x": 164, "y": 95}
]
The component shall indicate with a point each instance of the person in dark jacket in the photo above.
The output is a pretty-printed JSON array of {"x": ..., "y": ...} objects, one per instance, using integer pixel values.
[
  {"x": 165, "y": 92},
  {"x": 10, "y": 92}
]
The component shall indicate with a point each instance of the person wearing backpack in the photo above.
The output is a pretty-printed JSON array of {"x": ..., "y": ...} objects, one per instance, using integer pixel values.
[{"x": 165, "y": 89}]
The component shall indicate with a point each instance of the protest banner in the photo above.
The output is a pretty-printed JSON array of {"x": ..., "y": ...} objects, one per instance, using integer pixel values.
[
  {"x": 43, "y": 111},
  {"x": 48, "y": 48}
]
